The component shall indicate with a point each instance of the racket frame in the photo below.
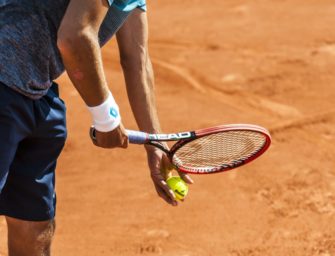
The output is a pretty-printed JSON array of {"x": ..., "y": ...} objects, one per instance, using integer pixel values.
[{"x": 184, "y": 138}]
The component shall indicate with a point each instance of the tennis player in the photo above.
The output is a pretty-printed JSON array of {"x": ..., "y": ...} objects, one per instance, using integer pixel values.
[{"x": 39, "y": 39}]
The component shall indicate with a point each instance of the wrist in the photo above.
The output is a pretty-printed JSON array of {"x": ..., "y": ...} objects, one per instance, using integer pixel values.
[{"x": 106, "y": 116}]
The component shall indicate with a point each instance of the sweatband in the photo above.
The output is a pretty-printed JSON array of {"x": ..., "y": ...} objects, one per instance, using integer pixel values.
[{"x": 106, "y": 116}]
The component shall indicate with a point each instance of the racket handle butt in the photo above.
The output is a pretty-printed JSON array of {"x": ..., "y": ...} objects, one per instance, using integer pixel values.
[{"x": 136, "y": 137}]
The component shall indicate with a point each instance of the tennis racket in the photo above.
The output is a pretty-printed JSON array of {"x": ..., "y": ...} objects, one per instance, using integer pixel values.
[{"x": 211, "y": 150}]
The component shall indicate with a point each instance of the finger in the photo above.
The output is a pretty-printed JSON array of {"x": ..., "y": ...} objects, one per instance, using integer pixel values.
[
  {"x": 158, "y": 179},
  {"x": 161, "y": 193},
  {"x": 111, "y": 139},
  {"x": 166, "y": 168},
  {"x": 166, "y": 163},
  {"x": 185, "y": 177},
  {"x": 124, "y": 136},
  {"x": 125, "y": 142},
  {"x": 165, "y": 189}
]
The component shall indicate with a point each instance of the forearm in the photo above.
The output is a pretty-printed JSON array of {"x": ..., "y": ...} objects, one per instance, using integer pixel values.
[
  {"x": 77, "y": 41},
  {"x": 139, "y": 79},
  {"x": 82, "y": 60}
]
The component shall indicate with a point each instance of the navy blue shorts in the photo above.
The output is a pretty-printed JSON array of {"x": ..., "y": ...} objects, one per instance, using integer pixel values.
[{"x": 32, "y": 135}]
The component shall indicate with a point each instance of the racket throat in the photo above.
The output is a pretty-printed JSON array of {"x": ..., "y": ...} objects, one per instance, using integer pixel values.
[{"x": 159, "y": 145}]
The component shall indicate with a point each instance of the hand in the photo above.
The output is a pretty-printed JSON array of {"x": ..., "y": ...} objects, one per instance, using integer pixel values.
[
  {"x": 113, "y": 139},
  {"x": 161, "y": 168}
]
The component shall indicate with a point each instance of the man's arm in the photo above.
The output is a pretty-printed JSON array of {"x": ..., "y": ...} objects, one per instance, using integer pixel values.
[
  {"x": 133, "y": 45},
  {"x": 132, "y": 40},
  {"x": 79, "y": 46}
]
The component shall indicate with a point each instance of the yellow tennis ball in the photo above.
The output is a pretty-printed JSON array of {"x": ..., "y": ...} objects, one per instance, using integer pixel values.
[{"x": 178, "y": 186}]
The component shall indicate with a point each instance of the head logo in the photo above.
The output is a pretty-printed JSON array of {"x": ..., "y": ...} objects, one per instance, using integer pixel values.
[{"x": 171, "y": 136}]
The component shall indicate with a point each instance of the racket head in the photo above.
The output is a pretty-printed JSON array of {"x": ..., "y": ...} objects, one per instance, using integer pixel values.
[{"x": 220, "y": 148}]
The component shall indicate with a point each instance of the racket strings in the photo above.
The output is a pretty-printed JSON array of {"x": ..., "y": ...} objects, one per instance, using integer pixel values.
[{"x": 219, "y": 150}]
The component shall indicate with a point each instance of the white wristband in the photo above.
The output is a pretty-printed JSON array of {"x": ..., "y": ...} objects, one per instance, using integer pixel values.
[{"x": 106, "y": 116}]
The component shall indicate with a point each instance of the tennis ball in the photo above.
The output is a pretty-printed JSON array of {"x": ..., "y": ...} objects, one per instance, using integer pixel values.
[{"x": 178, "y": 186}]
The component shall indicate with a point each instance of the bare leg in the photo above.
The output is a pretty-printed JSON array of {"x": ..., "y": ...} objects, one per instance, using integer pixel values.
[{"x": 29, "y": 238}]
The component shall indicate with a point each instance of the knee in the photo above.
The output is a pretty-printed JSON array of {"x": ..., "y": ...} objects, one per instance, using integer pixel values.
[{"x": 24, "y": 234}]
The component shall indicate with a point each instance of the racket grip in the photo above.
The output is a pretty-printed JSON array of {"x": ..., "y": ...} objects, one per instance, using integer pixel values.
[{"x": 136, "y": 137}]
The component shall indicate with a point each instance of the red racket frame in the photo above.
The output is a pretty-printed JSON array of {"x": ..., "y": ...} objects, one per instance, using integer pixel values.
[{"x": 223, "y": 128}]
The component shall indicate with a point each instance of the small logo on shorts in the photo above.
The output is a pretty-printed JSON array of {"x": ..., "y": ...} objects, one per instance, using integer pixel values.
[{"x": 113, "y": 112}]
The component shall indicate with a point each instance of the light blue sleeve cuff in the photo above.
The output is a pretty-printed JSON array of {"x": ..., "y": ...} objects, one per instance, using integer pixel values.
[
  {"x": 110, "y": 2},
  {"x": 129, "y": 5},
  {"x": 143, "y": 7}
]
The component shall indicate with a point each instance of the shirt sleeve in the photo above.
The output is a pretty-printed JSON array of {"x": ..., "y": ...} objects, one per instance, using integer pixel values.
[
  {"x": 128, "y": 5},
  {"x": 110, "y": 2},
  {"x": 142, "y": 5}
]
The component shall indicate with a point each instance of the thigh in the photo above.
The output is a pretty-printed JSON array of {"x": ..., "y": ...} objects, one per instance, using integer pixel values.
[
  {"x": 29, "y": 193},
  {"x": 14, "y": 126},
  {"x": 7, "y": 153}
]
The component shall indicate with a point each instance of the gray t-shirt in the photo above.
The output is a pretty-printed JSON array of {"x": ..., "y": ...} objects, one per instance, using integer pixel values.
[{"x": 29, "y": 57}]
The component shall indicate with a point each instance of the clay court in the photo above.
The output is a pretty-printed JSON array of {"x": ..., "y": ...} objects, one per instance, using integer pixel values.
[{"x": 264, "y": 62}]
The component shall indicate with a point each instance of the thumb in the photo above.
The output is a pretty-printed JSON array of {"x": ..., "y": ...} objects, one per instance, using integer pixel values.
[{"x": 166, "y": 167}]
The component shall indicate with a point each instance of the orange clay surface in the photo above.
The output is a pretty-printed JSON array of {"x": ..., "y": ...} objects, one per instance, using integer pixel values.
[{"x": 266, "y": 62}]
